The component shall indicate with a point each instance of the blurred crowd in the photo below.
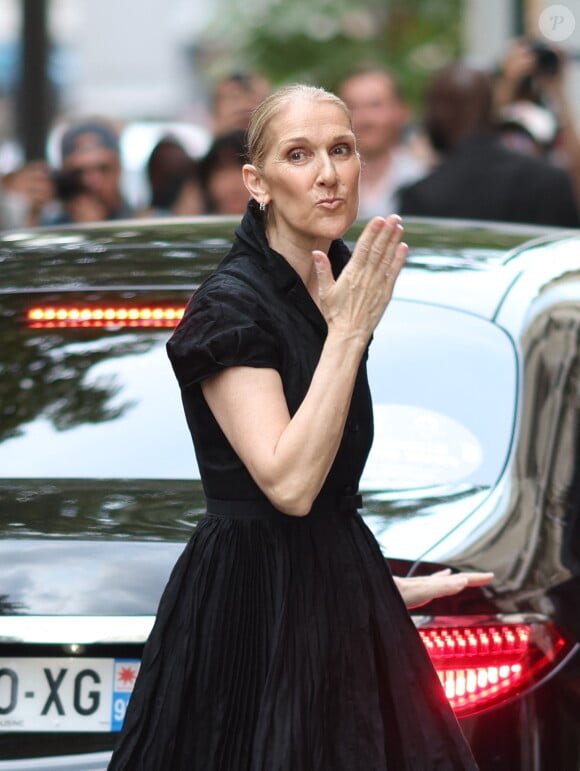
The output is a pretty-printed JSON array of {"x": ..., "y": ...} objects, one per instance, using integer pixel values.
[
  {"x": 496, "y": 145},
  {"x": 86, "y": 185}
]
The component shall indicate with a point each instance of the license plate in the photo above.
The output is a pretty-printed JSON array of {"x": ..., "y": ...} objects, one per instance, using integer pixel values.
[{"x": 65, "y": 694}]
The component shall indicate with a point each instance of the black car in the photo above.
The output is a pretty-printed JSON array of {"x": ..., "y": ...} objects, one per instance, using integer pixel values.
[{"x": 475, "y": 374}]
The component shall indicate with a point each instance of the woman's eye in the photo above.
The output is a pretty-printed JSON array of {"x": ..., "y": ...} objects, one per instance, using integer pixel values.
[
  {"x": 342, "y": 150},
  {"x": 296, "y": 155}
]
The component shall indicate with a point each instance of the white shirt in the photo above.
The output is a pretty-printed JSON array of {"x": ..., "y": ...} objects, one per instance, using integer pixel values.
[{"x": 381, "y": 199}]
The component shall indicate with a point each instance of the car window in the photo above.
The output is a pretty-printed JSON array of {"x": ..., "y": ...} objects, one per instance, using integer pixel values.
[
  {"x": 444, "y": 387},
  {"x": 102, "y": 402},
  {"x": 89, "y": 402}
]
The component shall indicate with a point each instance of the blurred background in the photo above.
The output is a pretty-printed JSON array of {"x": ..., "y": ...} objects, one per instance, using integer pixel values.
[{"x": 145, "y": 62}]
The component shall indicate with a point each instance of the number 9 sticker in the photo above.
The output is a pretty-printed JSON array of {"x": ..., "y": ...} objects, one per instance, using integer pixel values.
[{"x": 125, "y": 674}]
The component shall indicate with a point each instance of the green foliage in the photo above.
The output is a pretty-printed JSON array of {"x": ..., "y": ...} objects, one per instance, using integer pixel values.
[{"x": 320, "y": 41}]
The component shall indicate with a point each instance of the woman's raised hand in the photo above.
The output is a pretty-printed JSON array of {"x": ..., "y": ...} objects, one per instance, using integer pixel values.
[{"x": 354, "y": 304}]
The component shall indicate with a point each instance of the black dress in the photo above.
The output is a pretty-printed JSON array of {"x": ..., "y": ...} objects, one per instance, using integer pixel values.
[{"x": 281, "y": 643}]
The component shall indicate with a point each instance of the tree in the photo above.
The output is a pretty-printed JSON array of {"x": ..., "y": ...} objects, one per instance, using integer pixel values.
[{"x": 319, "y": 41}]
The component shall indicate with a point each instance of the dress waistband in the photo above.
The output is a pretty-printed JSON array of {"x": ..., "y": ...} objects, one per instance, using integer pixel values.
[{"x": 327, "y": 504}]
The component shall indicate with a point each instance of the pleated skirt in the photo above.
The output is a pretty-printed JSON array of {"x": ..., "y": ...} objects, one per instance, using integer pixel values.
[{"x": 283, "y": 644}]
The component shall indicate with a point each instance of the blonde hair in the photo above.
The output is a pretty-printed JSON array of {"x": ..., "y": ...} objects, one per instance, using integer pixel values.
[{"x": 258, "y": 134}]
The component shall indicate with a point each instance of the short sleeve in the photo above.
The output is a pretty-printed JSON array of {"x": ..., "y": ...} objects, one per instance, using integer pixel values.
[{"x": 223, "y": 326}]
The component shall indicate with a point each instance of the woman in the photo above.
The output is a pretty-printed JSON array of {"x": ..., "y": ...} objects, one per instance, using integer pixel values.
[
  {"x": 174, "y": 181},
  {"x": 281, "y": 642},
  {"x": 221, "y": 174}
]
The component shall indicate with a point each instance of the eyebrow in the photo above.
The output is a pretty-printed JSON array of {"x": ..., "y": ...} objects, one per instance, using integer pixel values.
[{"x": 306, "y": 140}]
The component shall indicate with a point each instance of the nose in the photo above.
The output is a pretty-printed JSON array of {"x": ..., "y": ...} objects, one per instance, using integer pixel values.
[
  {"x": 327, "y": 173},
  {"x": 91, "y": 178}
]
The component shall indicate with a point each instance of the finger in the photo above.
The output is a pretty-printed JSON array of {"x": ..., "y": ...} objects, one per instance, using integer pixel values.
[
  {"x": 385, "y": 244},
  {"x": 378, "y": 251},
  {"x": 323, "y": 273},
  {"x": 373, "y": 245},
  {"x": 442, "y": 586},
  {"x": 455, "y": 584},
  {"x": 478, "y": 579},
  {"x": 394, "y": 267},
  {"x": 365, "y": 241},
  {"x": 444, "y": 572},
  {"x": 391, "y": 246}
]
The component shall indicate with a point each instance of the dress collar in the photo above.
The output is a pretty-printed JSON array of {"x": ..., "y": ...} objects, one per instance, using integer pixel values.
[{"x": 252, "y": 234}]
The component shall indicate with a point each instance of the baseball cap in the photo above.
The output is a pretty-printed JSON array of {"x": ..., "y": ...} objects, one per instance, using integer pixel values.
[{"x": 88, "y": 135}]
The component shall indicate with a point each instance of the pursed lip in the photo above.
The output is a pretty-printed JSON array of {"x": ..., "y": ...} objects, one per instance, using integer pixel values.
[{"x": 330, "y": 203}]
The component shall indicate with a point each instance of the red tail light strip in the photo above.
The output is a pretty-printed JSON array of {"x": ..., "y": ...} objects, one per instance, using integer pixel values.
[
  {"x": 481, "y": 666},
  {"x": 53, "y": 317}
]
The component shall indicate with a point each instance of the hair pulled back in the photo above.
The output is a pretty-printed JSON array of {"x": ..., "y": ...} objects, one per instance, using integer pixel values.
[{"x": 259, "y": 134}]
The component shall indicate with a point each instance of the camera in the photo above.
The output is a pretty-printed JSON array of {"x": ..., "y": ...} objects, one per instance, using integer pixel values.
[
  {"x": 547, "y": 60},
  {"x": 68, "y": 184}
]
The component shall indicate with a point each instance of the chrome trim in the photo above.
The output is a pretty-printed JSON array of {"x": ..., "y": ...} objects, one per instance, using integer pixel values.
[
  {"x": 96, "y": 761},
  {"x": 75, "y": 630},
  {"x": 481, "y": 620}
]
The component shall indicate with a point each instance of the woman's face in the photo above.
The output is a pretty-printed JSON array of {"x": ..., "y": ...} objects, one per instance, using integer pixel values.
[
  {"x": 226, "y": 190},
  {"x": 311, "y": 175}
]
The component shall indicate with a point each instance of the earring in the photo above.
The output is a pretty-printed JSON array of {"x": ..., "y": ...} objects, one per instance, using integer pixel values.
[{"x": 262, "y": 206}]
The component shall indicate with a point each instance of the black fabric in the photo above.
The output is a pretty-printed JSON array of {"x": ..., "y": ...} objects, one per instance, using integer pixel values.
[
  {"x": 322, "y": 507},
  {"x": 481, "y": 179},
  {"x": 281, "y": 643}
]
